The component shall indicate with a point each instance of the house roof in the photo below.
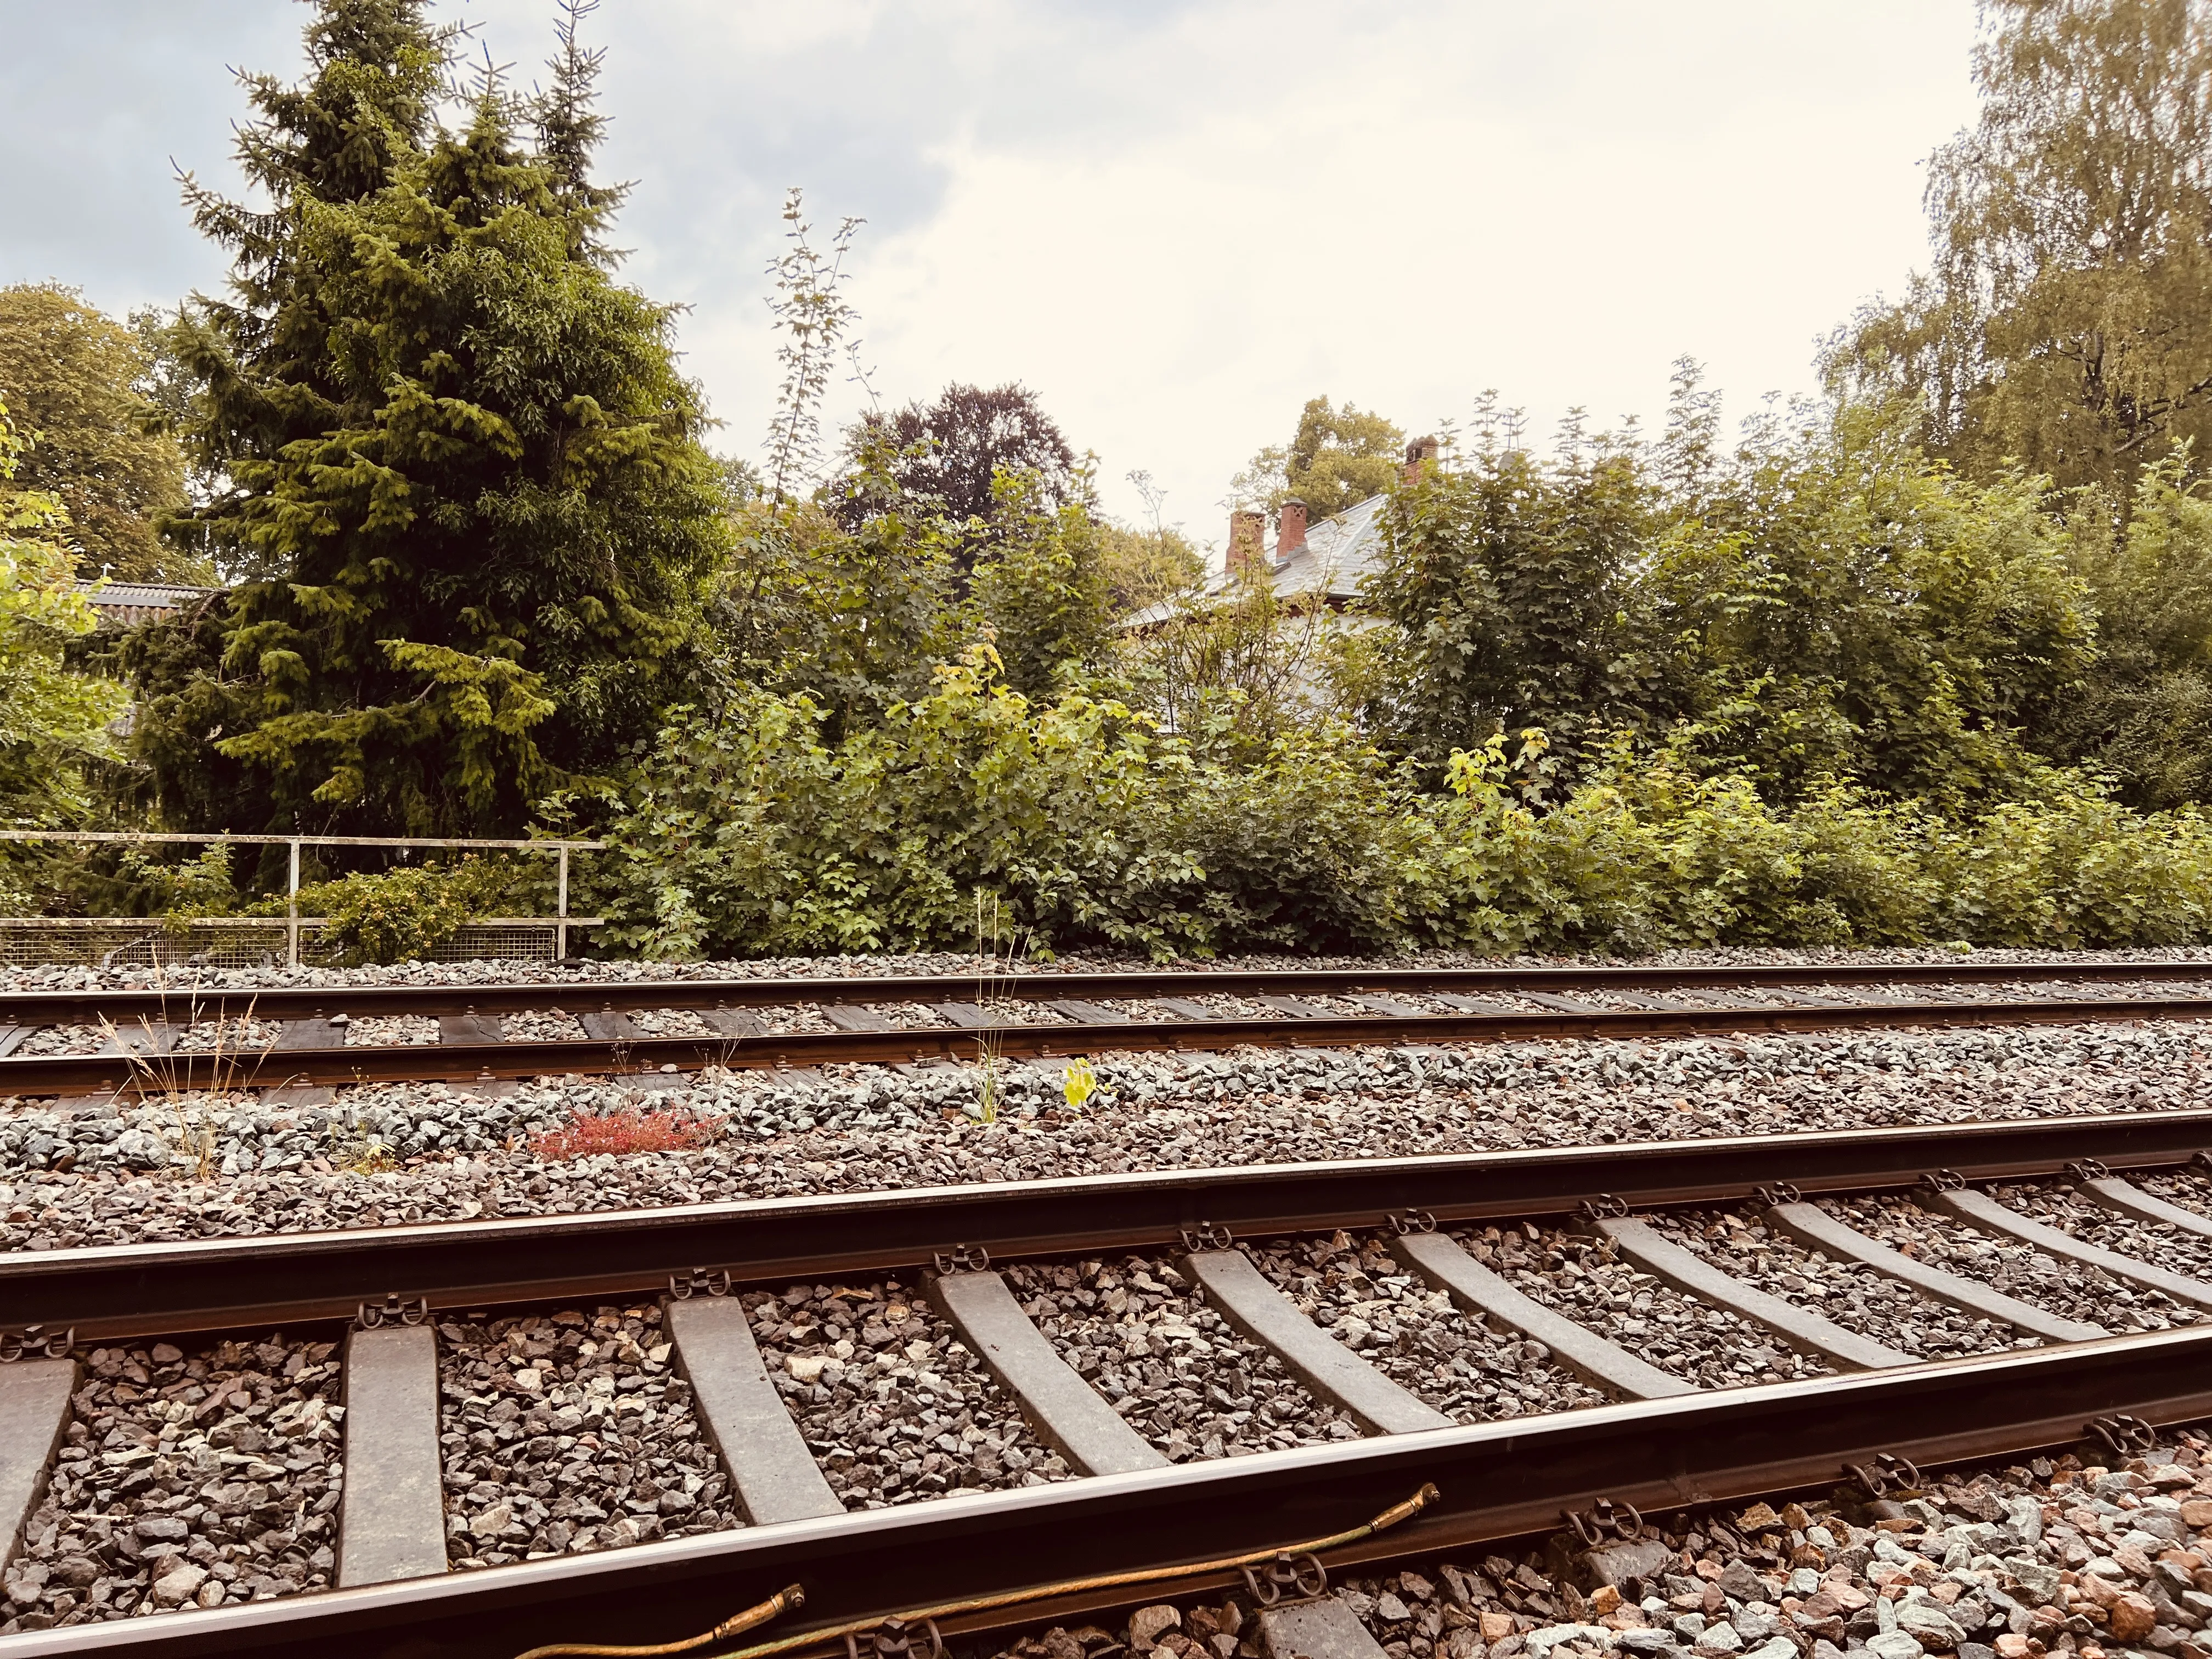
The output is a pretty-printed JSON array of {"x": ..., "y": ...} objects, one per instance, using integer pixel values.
[
  {"x": 1340, "y": 552},
  {"x": 129, "y": 602}
]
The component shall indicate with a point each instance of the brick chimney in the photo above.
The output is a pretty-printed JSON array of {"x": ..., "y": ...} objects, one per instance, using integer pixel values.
[
  {"x": 1419, "y": 455},
  {"x": 1248, "y": 540},
  {"x": 1289, "y": 527}
]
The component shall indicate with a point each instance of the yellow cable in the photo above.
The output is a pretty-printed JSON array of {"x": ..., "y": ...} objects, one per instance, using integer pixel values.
[
  {"x": 795, "y": 1597},
  {"x": 791, "y": 1596}
]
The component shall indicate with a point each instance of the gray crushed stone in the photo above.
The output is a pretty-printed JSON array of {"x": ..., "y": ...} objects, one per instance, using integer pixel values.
[
  {"x": 53, "y": 977},
  {"x": 1584, "y": 1279},
  {"x": 1991, "y": 1563},
  {"x": 1175, "y": 1369},
  {"x": 570, "y": 1432},
  {"x": 185, "y": 1480},
  {"x": 1363, "y": 1297},
  {"x": 1858, "y": 1298},
  {"x": 386, "y": 1153},
  {"x": 2156, "y": 1243},
  {"x": 2018, "y": 1269},
  {"x": 895, "y": 1407}
]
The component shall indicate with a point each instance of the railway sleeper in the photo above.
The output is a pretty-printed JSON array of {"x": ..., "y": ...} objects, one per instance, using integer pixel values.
[
  {"x": 828, "y": 1022},
  {"x": 392, "y": 1524}
]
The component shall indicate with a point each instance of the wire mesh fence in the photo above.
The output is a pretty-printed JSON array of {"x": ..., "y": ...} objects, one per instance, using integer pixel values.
[
  {"x": 245, "y": 942},
  {"x": 151, "y": 942}
]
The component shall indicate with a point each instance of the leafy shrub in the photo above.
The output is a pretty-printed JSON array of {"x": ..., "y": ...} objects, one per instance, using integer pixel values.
[
  {"x": 401, "y": 914},
  {"x": 1088, "y": 824},
  {"x": 182, "y": 889}
]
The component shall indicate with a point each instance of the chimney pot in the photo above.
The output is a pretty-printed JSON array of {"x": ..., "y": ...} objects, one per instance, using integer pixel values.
[
  {"x": 1289, "y": 527},
  {"x": 1420, "y": 454},
  {"x": 1248, "y": 536}
]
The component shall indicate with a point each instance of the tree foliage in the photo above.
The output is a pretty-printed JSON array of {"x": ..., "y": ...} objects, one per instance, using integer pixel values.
[
  {"x": 2143, "y": 711},
  {"x": 859, "y": 619},
  {"x": 1240, "y": 658},
  {"x": 947, "y": 458},
  {"x": 2067, "y": 322},
  {"x": 1843, "y": 608},
  {"x": 1824, "y": 605},
  {"x": 816, "y": 321},
  {"x": 1336, "y": 458},
  {"x": 463, "y": 467},
  {"x": 1509, "y": 584},
  {"x": 77, "y": 382},
  {"x": 52, "y": 719},
  {"x": 1142, "y": 566}
]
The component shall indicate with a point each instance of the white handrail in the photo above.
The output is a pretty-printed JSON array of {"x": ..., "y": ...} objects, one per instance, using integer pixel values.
[{"x": 562, "y": 921}]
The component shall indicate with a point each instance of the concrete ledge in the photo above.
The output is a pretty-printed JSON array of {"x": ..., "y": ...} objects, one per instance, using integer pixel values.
[
  {"x": 1064, "y": 1409},
  {"x": 776, "y": 1477},
  {"x": 391, "y": 1517},
  {"x": 34, "y": 1409},
  {"x": 1331, "y": 1370}
]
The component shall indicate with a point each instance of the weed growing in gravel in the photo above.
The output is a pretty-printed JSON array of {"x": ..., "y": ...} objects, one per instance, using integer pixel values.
[
  {"x": 159, "y": 1070},
  {"x": 359, "y": 1153},
  {"x": 1079, "y": 1085},
  {"x": 631, "y": 1130},
  {"x": 996, "y": 965}
]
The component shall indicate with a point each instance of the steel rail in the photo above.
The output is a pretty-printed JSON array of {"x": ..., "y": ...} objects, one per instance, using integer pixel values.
[
  {"x": 150, "y": 1288},
  {"x": 166, "y": 1074},
  {"x": 1496, "y": 1480},
  {"x": 298, "y": 1002}
]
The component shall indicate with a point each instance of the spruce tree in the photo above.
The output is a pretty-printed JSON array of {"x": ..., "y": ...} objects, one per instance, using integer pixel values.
[{"x": 467, "y": 491}]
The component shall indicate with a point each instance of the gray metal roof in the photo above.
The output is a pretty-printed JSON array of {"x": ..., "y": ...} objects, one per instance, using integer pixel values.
[
  {"x": 1340, "y": 552},
  {"x": 137, "y": 602}
]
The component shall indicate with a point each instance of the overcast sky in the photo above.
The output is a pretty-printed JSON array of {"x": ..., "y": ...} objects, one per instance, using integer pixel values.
[{"x": 1174, "y": 221}]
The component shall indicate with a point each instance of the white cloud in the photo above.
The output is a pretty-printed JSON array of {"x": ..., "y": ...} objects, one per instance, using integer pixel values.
[
  {"x": 1178, "y": 229},
  {"x": 1175, "y": 221}
]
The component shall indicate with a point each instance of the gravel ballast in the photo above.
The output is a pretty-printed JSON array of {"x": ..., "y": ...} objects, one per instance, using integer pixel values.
[
  {"x": 1858, "y": 1298},
  {"x": 2018, "y": 1269},
  {"x": 2001, "y": 1562},
  {"x": 893, "y": 1405},
  {"x": 185, "y": 1480},
  {"x": 2153, "y": 1241},
  {"x": 1175, "y": 1371},
  {"x": 569, "y": 1432},
  {"x": 76, "y": 1177},
  {"x": 1582, "y": 1279},
  {"x": 1359, "y": 1294},
  {"x": 56, "y": 976}
]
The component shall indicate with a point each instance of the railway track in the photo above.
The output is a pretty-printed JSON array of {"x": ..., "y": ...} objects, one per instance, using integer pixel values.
[
  {"x": 1228, "y": 1277},
  {"x": 87, "y": 1044}
]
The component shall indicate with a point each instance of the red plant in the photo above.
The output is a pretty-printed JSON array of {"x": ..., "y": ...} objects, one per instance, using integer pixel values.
[{"x": 627, "y": 1131}]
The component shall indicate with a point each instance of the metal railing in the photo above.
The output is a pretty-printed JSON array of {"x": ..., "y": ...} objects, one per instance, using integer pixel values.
[{"x": 560, "y": 920}]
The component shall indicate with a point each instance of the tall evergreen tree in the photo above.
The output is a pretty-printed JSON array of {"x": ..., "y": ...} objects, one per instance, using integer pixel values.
[{"x": 465, "y": 475}]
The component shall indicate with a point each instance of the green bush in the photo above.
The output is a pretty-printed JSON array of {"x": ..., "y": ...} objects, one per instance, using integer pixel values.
[
  {"x": 1088, "y": 825},
  {"x": 402, "y": 913}
]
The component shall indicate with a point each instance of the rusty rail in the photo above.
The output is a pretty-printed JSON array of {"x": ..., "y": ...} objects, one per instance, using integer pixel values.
[
  {"x": 1497, "y": 1480},
  {"x": 99, "y": 1074}
]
